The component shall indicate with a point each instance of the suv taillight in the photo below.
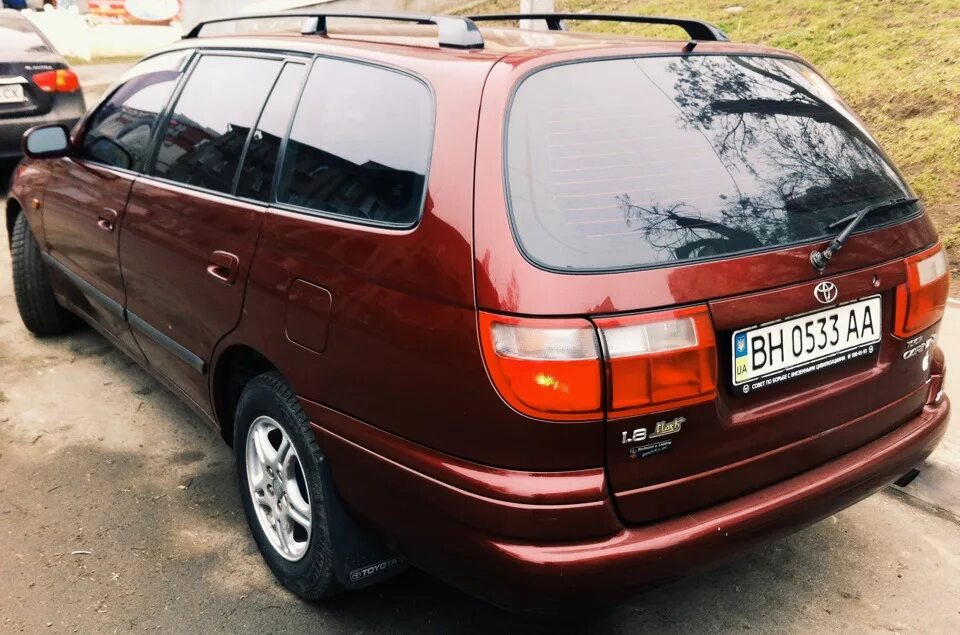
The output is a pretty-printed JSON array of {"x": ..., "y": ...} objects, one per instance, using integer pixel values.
[
  {"x": 922, "y": 299},
  {"x": 62, "y": 80},
  {"x": 551, "y": 368},
  {"x": 658, "y": 361}
]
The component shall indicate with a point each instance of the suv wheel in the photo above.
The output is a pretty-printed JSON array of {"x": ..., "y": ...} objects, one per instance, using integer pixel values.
[
  {"x": 39, "y": 309},
  {"x": 278, "y": 467}
]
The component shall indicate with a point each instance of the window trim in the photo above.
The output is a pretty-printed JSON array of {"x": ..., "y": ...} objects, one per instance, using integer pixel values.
[
  {"x": 187, "y": 66},
  {"x": 307, "y": 64},
  {"x": 344, "y": 218},
  {"x": 508, "y": 199}
]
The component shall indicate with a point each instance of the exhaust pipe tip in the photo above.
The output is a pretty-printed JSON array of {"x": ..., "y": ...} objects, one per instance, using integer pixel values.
[{"x": 907, "y": 478}]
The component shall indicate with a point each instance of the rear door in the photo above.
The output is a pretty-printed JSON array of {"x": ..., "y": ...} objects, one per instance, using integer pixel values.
[
  {"x": 187, "y": 241},
  {"x": 88, "y": 190},
  {"x": 701, "y": 184}
]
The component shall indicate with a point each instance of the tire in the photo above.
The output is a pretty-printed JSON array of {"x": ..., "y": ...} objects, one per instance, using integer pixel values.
[
  {"x": 39, "y": 309},
  {"x": 268, "y": 400}
]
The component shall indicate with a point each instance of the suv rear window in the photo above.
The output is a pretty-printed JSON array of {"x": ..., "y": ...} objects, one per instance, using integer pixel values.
[{"x": 627, "y": 163}]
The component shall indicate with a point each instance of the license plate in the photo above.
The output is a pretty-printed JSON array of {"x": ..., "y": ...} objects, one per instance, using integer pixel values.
[
  {"x": 769, "y": 354},
  {"x": 11, "y": 94}
]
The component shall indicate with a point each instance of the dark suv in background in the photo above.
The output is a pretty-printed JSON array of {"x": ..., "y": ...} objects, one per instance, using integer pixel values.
[
  {"x": 553, "y": 316},
  {"x": 36, "y": 84}
]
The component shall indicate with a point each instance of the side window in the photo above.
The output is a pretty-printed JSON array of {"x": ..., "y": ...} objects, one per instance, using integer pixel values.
[
  {"x": 206, "y": 133},
  {"x": 256, "y": 174},
  {"x": 119, "y": 132},
  {"x": 360, "y": 144}
]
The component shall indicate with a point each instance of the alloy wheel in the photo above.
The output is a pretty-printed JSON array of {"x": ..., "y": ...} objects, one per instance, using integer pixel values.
[{"x": 278, "y": 488}]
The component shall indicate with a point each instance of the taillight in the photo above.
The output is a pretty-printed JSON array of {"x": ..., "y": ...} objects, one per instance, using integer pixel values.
[
  {"x": 544, "y": 368},
  {"x": 922, "y": 299},
  {"x": 552, "y": 368},
  {"x": 62, "y": 80},
  {"x": 658, "y": 361}
]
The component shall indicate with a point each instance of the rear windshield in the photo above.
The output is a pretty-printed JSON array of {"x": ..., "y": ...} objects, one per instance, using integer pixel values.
[
  {"x": 620, "y": 164},
  {"x": 18, "y": 36}
]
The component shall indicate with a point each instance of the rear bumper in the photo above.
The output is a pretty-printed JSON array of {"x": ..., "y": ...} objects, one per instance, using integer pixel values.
[
  {"x": 11, "y": 130},
  {"x": 458, "y": 535}
]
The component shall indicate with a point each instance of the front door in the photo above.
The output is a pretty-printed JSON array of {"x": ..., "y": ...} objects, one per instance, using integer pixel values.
[
  {"x": 85, "y": 200},
  {"x": 187, "y": 241},
  {"x": 82, "y": 209}
]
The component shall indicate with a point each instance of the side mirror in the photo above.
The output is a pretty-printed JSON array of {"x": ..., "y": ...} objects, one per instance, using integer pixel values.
[{"x": 46, "y": 142}]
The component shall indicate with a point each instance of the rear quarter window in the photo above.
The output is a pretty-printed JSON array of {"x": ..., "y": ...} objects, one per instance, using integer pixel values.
[
  {"x": 360, "y": 144},
  {"x": 629, "y": 163}
]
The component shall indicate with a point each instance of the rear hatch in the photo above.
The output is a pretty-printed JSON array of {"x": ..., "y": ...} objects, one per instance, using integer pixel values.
[
  {"x": 24, "y": 53},
  {"x": 707, "y": 181}
]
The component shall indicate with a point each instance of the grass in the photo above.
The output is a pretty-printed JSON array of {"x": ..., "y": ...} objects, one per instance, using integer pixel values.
[{"x": 897, "y": 63}]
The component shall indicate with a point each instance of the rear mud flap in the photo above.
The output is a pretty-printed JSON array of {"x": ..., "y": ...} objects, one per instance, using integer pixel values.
[{"x": 361, "y": 556}]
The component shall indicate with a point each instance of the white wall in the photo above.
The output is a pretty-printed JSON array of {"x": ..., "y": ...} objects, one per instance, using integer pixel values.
[{"x": 198, "y": 10}]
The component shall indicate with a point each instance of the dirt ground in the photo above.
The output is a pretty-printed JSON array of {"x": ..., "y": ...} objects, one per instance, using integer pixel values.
[{"x": 119, "y": 513}]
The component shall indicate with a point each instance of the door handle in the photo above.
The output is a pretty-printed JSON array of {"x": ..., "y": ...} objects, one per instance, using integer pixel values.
[
  {"x": 223, "y": 266},
  {"x": 107, "y": 219}
]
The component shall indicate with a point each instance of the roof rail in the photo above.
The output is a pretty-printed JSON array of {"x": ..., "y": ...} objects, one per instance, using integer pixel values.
[
  {"x": 455, "y": 32},
  {"x": 696, "y": 29}
]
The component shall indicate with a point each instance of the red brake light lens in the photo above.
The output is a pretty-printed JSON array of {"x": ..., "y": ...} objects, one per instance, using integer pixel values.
[
  {"x": 922, "y": 299},
  {"x": 62, "y": 80},
  {"x": 658, "y": 361},
  {"x": 544, "y": 368}
]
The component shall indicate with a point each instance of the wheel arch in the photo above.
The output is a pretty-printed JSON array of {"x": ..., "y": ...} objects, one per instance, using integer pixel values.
[{"x": 234, "y": 367}]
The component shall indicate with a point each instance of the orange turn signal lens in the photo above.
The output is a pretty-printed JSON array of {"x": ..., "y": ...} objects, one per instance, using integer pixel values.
[
  {"x": 659, "y": 361},
  {"x": 544, "y": 368},
  {"x": 922, "y": 300}
]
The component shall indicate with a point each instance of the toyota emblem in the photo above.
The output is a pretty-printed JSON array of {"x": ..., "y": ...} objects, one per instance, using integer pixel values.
[{"x": 825, "y": 292}]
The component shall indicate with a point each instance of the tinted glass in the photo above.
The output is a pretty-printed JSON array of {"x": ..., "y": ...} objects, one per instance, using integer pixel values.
[
  {"x": 625, "y": 163},
  {"x": 256, "y": 175},
  {"x": 120, "y": 131},
  {"x": 204, "y": 139},
  {"x": 18, "y": 36},
  {"x": 360, "y": 144}
]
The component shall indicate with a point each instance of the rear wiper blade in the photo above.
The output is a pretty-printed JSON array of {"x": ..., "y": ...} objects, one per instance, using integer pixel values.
[{"x": 819, "y": 259}]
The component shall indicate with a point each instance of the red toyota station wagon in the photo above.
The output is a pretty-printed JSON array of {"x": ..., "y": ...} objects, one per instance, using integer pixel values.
[{"x": 553, "y": 316}]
